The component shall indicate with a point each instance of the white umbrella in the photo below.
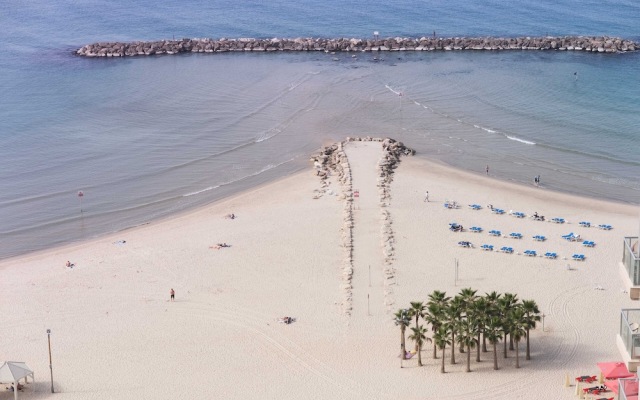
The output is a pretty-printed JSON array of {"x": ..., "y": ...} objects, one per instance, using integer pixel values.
[{"x": 12, "y": 372}]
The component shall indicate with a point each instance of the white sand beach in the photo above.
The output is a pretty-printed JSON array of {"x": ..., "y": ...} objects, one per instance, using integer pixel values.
[{"x": 115, "y": 334}]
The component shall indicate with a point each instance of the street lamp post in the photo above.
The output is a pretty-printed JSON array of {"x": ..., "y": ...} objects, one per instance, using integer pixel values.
[{"x": 50, "y": 367}]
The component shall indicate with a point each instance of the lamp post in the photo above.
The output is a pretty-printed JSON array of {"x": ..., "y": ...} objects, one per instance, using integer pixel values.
[{"x": 50, "y": 367}]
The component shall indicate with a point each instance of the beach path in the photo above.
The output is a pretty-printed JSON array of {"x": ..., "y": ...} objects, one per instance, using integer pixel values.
[{"x": 367, "y": 251}]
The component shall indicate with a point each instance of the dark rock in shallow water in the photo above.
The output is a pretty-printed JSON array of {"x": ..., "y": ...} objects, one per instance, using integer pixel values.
[{"x": 601, "y": 44}]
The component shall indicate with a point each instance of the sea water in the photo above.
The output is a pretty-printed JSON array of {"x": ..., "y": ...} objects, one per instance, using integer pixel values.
[{"x": 144, "y": 138}]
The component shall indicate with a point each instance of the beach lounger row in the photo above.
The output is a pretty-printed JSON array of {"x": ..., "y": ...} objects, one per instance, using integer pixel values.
[
  {"x": 588, "y": 243},
  {"x": 487, "y": 247},
  {"x": 465, "y": 244},
  {"x": 506, "y": 249},
  {"x": 475, "y": 229},
  {"x": 518, "y": 214},
  {"x": 515, "y": 235},
  {"x": 558, "y": 220},
  {"x": 475, "y": 206},
  {"x": 539, "y": 238},
  {"x": 605, "y": 227},
  {"x": 498, "y": 211},
  {"x": 578, "y": 257},
  {"x": 551, "y": 255},
  {"x": 585, "y": 224},
  {"x": 530, "y": 253},
  {"x": 495, "y": 233}
]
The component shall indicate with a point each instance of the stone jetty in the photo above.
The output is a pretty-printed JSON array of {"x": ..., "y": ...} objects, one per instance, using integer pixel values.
[
  {"x": 332, "y": 161},
  {"x": 593, "y": 44}
]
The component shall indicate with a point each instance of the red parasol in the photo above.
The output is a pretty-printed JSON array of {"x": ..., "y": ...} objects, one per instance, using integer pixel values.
[{"x": 614, "y": 370}]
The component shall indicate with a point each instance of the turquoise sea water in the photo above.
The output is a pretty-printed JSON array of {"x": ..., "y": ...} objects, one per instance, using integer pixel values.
[{"x": 147, "y": 137}]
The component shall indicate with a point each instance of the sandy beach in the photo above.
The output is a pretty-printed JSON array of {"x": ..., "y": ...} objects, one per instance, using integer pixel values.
[{"x": 116, "y": 334}]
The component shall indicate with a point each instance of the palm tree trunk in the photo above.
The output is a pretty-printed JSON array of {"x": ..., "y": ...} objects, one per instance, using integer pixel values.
[
  {"x": 528, "y": 357},
  {"x": 505, "y": 346},
  {"x": 468, "y": 359},
  {"x": 442, "y": 365},
  {"x": 453, "y": 347},
  {"x": 478, "y": 348},
  {"x": 416, "y": 347},
  {"x": 420, "y": 355},
  {"x": 517, "y": 354},
  {"x": 510, "y": 342},
  {"x": 403, "y": 345},
  {"x": 495, "y": 356},
  {"x": 434, "y": 328},
  {"x": 484, "y": 343}
]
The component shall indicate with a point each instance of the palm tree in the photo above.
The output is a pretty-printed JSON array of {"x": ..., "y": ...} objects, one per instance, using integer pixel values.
[
  {"x": 531, "y": 316},
  {"x": 417, "y": 310},
  {"x": 453, "y": 314},
  {"x": 402, "y": 319},
  {"x": 437, "y": 304},
  {"x": 467, "y": 299},
  {"x": 479, "y": 314},
  {"x": 441, "y": 339},
  {"x": 493, "y": 332},
  {"x": 467, "y": 338},
  {"x": 518, "y": 331},
  {"x": 419, "y": 337},
  {"x": 493, "y": 310},
  {"x": 506, "y": 305}
]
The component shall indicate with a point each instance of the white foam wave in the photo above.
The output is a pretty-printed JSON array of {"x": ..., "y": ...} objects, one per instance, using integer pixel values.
[
  {"x": 268, "y": 135},
  {"x": 392, "y": 90},
  {"x": 200, "y": 191},
  {"x": 520, "y": 140}
]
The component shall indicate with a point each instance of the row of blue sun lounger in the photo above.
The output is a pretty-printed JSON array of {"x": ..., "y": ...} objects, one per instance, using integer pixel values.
[{"x": 530, "y": 253}]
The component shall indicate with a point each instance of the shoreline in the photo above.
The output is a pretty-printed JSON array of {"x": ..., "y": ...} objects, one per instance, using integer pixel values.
[
  {"x": 593, "y": 44},
  {"x": 507, "y": 184}
]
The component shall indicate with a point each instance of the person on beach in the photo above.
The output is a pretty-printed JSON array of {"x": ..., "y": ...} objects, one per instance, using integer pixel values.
[
  {"x": 426, "y": 197},
  {"x": 173, "y": 294},
  {"x": 70, "y": 264},
  {"x": 487, "y": 169}
]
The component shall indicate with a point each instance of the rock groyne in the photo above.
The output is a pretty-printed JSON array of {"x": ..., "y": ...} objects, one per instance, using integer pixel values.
[{"x": 594, "y": 44}]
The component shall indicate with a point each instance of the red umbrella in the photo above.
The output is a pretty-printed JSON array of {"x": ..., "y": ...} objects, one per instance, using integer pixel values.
[
  {"x": 614, "y": 370},
  {"x": 630, "y": 387}
]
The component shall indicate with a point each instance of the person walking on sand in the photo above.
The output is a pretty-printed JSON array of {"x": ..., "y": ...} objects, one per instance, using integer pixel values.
[
  {"x": 487, "y": 169},
  {"x": 173, "y": 294},
  {"x": 426, "y": 197}
]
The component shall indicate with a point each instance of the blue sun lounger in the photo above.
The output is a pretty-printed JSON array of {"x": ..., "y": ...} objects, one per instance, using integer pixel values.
[
  {"x": 539, "y": 238},
  {"x": 585, "y": 224},
  {"x": 475, "y": 206},
  {"x": 578, "y": 257},
  {"x": 558, "y": 220},
  {"x": 549, "y": 254},
  {"x": 515, "y": 235},
  {"x": 506, "y": 249},
  {"x": 488, "y": 247},
  {"x": 498, "y": 211},
  {"x": 518, "y": 214},
  {"x": 571, "y": 237},
  {"x": 530, "y": 253},
  {"x": 495, "y": 233},
  {"x": 475, "y": 229},
  {"x": 605, "y": 227},
  {"x": 588, "y": 243},
  {"x": 465, "y": 244}
]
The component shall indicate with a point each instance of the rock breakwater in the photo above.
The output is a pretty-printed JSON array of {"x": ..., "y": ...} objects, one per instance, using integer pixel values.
[{"x": 594, "y": 44}]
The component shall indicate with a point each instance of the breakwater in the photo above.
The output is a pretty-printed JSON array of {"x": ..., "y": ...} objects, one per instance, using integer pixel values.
[{"x": 594, "y": 44}]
